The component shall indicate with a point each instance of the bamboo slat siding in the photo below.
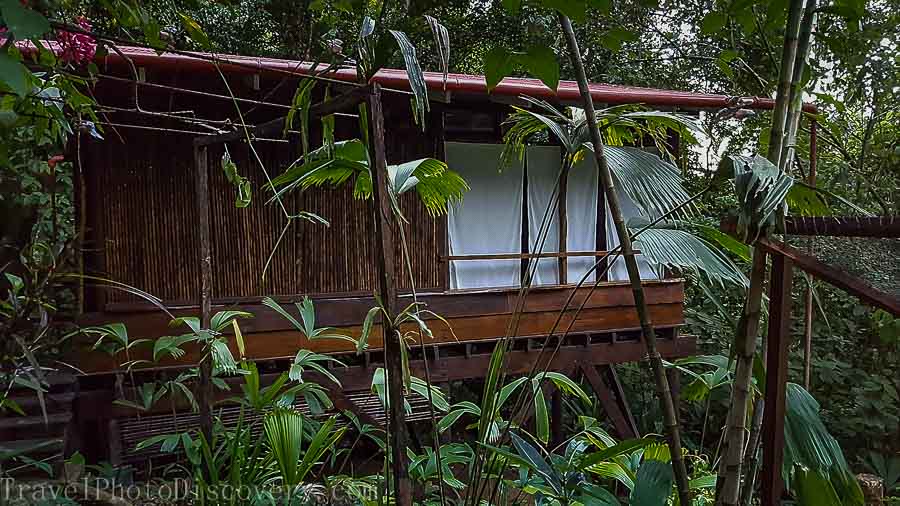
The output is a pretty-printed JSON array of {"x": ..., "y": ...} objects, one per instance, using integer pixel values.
[
  {"x": 146, "y": 203},
  {"x": 148, "y": 213}
]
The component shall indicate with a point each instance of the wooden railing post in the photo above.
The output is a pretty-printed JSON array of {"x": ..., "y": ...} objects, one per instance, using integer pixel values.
[
  {"x": 201, "y": 179},
  {"x": 776, "y": 379}
]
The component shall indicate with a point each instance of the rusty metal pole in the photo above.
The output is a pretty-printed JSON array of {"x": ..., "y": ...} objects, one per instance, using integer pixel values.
[
  {"x": 201, "y": 180},
  {"x": 384, "y": 255},
  {"x": 808, "y": 302},
  {"x": 776, "y": 379}
]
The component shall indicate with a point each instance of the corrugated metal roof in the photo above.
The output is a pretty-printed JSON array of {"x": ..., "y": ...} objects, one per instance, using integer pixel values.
[{"x": 455, "y": 83}]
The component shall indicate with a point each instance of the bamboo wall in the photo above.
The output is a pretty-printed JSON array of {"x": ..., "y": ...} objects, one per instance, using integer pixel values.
[{"x": 144, "y": 223}]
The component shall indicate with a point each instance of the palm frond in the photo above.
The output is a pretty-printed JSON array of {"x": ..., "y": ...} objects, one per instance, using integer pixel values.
[
  {"x": 809, "y": 447},
  {"x": 681, "y": 250},
  {"x": 652, "y": 183},
  {"x": 761, "y": 189}
]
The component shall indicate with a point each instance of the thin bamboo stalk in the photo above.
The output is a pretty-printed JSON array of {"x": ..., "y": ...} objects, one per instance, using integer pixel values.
[{"x": 673, "y": 432}]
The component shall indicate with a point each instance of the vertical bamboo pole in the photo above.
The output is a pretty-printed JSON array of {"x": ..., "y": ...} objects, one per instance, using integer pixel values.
[
  {"x": 782, "y": 102},
  {"x": 385, "y": 258},
  {"x": 201, "y": 180},
  {"x": 735, "y": 429},
  {"x": 673, "y": 431}
]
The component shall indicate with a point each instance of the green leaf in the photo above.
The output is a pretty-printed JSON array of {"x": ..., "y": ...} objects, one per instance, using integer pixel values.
[
  {"x": 713, "y": 22},
  {"x": 541, "y": 63},
  {"x": 498, "y": 63},
  {"x": 574, "y": 9},
  {"x": 653, "y": 484},
  {"x": 368, "y": 322},
  {"x": 621, "y": 448},
  {"x": 605, "y": 6},
  {"x": 536, "y": 462},
  {"x": 812, "y": 488},
  {"x": 807, "y": 201},
  {"x": 442, "y": 43},
  {"x": 194, "y": 31},
  {"x": 727, "y": 242},
  {"x": 541, "y": 415},
  {"x": 415, "y": 76},
  {"x": 24, "y": 23},
  {"x": 14, "y": 75}
]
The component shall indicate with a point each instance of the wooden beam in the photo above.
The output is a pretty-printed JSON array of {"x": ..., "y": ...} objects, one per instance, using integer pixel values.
[
  {"x": 776, "y": 379},
  {"x": 884, "y": 227},
  {"x": 271, "y": 127},
  {"x": 515, "y": 256},
  {"x": 624, "y": 427},
  {"x": 851, "y": 284}
]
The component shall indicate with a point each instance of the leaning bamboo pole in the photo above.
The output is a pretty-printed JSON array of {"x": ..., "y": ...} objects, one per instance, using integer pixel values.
[{"x": 673, "y": 432}]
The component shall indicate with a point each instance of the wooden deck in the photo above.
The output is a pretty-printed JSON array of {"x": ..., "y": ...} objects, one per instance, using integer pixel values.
[{"x": 474, "y": 315}]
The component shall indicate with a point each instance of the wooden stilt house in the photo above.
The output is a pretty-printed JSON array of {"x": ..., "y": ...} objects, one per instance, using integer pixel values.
[{"x": 139, "y": 217}]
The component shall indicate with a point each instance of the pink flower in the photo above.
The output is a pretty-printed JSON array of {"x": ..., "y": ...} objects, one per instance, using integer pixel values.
[{"x": 77, "y": 48}]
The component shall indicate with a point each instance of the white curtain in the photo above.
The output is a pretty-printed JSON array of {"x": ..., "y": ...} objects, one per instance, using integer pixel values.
[
  {"x": 544, "y": 163},
  {"x": 581, "y": 213},
  {"x": 489, "y": 218},
  {"x": 618, "y": 271}
]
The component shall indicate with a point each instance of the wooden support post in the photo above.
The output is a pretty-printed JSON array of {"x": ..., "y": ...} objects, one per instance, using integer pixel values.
[
  {"x": 201, "y": 178},
  {"x": 776, "y": 379},
  {"x": 622, "y": 421},
  {"x": 563, "y": 228},
  {"x": 556, "y": 418},
  {"x": 524, "y": 245},
  {"x": 600, "y": 241},
  {"x": 384, "y": 254}
]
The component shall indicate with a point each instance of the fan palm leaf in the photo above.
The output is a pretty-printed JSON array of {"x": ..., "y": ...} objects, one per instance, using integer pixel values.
[
  {"x": 681, "y": 250},
  {"x": 813, "y": 460}
]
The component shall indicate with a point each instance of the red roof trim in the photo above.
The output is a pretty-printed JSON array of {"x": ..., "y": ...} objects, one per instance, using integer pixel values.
[{"x": 459, "y": 83}]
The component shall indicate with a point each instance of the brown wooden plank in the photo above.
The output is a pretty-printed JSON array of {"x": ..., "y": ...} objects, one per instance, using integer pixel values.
[
  {"x": 779, "y": 339},
  {"x": 337, "y": 312},
  {"x": 836, "y": 226},
  {"x": 341, "y": 102},
  {"x": 268, "y": 335},
  {"x": 284, "y": 344}
]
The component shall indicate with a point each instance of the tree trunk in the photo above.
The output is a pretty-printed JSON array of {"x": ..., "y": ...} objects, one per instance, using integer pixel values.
[
  {"x": 384, "y": 254},
  {"x": 648, "y": 332},
  {"x": 744, "y": 350},
  {"x": 204, "y": 394}
]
